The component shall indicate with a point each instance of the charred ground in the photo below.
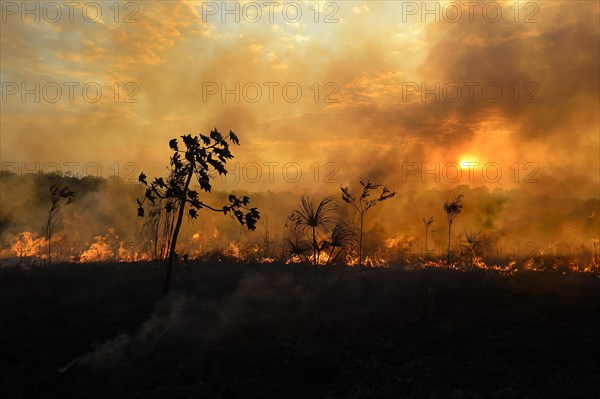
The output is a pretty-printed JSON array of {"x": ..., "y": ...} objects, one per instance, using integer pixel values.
[{"x": 245, "y": 330}]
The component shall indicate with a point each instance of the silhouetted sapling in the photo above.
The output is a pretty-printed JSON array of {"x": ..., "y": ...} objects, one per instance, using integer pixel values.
[
  {"x": 452, "y": 209},
  {"x": 202, "y": 155},
  {"x": 472, "y": 242},
  {"x": 427, "y": 223},
  {"x": 57, "y": 195},
  {"x": 362, "y": 206}
]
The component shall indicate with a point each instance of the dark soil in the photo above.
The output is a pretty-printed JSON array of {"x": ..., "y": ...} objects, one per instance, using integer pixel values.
[{"x": 276, "y": 331}]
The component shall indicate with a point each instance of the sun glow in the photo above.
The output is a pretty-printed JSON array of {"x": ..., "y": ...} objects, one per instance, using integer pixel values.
[{"x": 467, "y": 161}]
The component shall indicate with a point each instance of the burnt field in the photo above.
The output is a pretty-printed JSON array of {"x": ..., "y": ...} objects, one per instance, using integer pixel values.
[{"x": 246, "y": 330}]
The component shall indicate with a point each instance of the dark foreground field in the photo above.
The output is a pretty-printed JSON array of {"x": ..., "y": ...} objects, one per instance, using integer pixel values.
[{"x": 272, "y": 331}]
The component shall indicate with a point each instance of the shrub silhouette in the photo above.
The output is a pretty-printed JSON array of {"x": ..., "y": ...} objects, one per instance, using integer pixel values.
[
  {"x": 452, "y": 209},
  {"x": 202, "y": 155},
  {"x": 427, "y": 223},
  {"x": 363, "y": 205},
  {"x": 472, "y": 242},
  {"x": 340, "y": 238},
  {"x": 57, "y": 195},
  {"x": 315, "y": 228}
]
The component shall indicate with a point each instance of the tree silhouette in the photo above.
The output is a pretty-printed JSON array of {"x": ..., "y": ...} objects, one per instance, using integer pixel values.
[
  {"x": 363, "y": 205},
  {"x": 452, "y": 209},
  {"x": 427, "y": 223},
  {"x": 57, "y": 195},
  {"x": 202, "y": 155}
]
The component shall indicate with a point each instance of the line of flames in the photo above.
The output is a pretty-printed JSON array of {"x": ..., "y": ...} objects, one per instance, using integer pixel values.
[{"x": 108, "y": 248}]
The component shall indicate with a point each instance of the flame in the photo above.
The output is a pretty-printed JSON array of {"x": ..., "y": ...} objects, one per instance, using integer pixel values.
[
  {"x": 30, "y": 245},
  {"x": 106, "y": 248},
  {"x": 242, "y": 253},
  {"x": 393, "y": 243},
  {"x": 373, "y": 261},
  {"x": 99, "y": 251},
  {"x": 131, "y": 255},
  {"x": 234, "y": 250},
  {"x": 351, "y": 259}
]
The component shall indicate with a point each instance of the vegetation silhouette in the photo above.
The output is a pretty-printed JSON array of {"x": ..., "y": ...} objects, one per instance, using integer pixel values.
[
  {"x": 315, "y": 228},
  {"x": 363, "y": 205},
  {"x": 453, "y": 209},
  {"x": 341, "y": 238},
  {"x": 59, "y": 198},
  {"x": 202, "y": 155},
  {"x": 472, "y": 243},
  {"x": 107, "y": 235},
  {"x": 427, "y": 223}
]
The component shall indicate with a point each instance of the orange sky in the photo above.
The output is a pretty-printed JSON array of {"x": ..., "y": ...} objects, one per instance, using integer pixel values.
[{"x": 361, "y": 113}]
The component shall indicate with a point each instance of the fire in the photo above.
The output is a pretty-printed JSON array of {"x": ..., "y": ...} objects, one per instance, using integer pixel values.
[
  {"x": 394, "y": 242},
  {"x": 30, "y": 245},
  {"x": 99, "y": 251},
  {"x": 234, "y": 250},
  {"x": 242, "y": 253},
  {"x": 373, "y": 261},
  {"x": 31, "y": 248},
  {"x": 351, "y": 259},
  {"x": 131, "y": 255},
  {"x": 107, "y": 248}
]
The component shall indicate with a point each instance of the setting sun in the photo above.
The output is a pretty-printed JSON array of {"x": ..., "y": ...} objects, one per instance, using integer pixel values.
[{"x": 469, "y": 161}]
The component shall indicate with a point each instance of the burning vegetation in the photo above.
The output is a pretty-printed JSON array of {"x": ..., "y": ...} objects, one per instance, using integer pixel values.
[
  {"x": 97, "y": 226},
  {"x": 320, "y": 234},
  {"x": 29, "y": 249}
]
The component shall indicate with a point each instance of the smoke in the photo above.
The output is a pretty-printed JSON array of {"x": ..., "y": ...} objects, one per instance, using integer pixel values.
[
  {"x": 185, "y": 322},
  {"x": 108, "y": 210},
  {"x": 172, "y": 53}
]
